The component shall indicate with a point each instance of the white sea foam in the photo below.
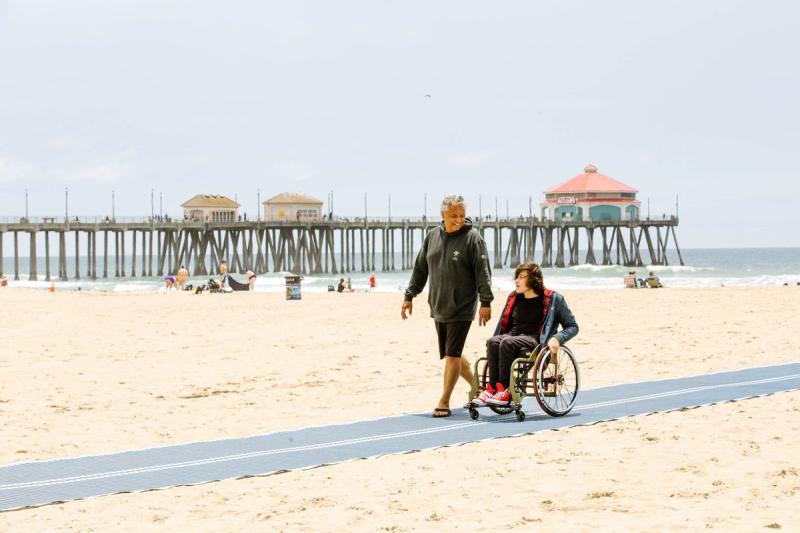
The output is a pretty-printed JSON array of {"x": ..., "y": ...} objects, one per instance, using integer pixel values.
[{"x": 678, "y": 268}]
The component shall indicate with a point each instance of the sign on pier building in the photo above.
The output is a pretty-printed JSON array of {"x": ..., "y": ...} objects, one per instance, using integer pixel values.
[
  {"x": 590, "y": 196},
  {"x": 289, "y": 206},
  {"x": 210, "y": 208}
]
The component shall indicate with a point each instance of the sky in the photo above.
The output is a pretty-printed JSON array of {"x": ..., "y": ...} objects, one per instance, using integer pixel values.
[{"x": 496, "y": 101}]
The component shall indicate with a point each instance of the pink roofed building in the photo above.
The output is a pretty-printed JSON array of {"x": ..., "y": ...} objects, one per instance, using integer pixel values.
[{"x": 590, "y": 196}]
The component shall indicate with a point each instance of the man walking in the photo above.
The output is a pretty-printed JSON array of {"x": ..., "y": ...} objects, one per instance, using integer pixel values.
[{"x": 454, "y": 257}]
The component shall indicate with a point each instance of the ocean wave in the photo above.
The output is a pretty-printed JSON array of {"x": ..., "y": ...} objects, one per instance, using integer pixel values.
[
  {"x": 597, "y": 268},
  {"x": 678, "y": 268}
]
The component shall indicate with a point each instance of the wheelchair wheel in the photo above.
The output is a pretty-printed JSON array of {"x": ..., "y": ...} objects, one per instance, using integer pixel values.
[
  {"x": 556, "y": 381},
  {"x": 499, "y": 409}
]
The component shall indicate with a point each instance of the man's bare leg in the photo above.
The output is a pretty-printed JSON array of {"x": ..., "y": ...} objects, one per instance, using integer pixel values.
[
  {"x": 466, "y": 370},
  {"x": 452, "y": 369}
]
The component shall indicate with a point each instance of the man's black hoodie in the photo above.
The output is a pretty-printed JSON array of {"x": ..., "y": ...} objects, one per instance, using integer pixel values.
[{"x": 458, "y": 267}]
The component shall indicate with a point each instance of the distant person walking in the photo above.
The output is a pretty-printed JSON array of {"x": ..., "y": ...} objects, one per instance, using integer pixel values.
[
  {"x": 372, "y": 283},
  {"x": 454, "y": 258}
]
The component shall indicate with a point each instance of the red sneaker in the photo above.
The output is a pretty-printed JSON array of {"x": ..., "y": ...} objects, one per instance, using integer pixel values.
[
  {"x": 483, "y": 396},
  {"x": 502, "y": 397}
]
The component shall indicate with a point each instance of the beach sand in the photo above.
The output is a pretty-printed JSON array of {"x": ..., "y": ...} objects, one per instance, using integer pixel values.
[{"x": 85, "y": 373}]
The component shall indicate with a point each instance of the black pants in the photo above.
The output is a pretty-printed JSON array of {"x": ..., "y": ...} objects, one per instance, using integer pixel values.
[{"x": 501, "y": 350}]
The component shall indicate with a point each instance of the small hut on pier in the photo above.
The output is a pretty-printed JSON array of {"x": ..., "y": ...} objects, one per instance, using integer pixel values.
[
  {"x": 210, "y": 208},
  {"x": 590, "y": 196},
  {"x": 292, "y": 207}
]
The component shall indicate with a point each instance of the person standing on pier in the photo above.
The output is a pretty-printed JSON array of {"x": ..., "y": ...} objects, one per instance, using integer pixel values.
[{"x": 454, "y": 258}]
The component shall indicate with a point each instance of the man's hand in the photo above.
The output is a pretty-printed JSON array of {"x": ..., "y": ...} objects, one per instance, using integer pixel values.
[
  {"x": 484, "y": 315},
  {"x": 553, "y": 345},
  {"x": 407, "y": 306}
]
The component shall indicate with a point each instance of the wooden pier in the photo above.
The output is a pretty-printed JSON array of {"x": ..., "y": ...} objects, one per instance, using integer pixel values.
[{"x": 325, "y": 246}]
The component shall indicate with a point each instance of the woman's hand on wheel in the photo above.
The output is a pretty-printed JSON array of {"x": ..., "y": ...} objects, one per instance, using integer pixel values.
[{"x": 553, "y": 345}]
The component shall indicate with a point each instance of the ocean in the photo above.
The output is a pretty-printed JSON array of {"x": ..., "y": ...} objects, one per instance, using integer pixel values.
[{"x": 703, "y": 268}]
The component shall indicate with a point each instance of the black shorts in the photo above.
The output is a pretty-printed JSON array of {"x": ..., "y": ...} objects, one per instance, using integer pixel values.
[{"x": 452, "y": 336}]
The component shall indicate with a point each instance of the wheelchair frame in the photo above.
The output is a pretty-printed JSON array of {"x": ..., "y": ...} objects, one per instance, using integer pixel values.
[{"x": 548, "y": 381}]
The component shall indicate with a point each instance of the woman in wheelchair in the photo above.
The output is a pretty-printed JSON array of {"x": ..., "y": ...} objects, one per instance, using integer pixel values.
[{"x": 531, "y": 317}]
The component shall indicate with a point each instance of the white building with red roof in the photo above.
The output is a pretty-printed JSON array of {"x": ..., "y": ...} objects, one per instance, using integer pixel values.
[{"x": 590, "y": 196}]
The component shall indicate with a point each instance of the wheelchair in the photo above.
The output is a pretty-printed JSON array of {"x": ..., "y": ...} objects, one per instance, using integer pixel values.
[{"x": 553, "y": 379}]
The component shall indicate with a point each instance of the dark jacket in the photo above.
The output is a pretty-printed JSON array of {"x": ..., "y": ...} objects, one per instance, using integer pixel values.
[
  {"x": 555, "y": 313},
  {"x": 458, "y": 267}
]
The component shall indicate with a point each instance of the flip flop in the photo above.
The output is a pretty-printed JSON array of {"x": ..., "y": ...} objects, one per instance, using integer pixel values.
[{"x": 441, "y": 412}]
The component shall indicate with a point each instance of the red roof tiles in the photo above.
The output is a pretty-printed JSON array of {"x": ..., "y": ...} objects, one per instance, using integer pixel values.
[{"x": 591, "y": 181}]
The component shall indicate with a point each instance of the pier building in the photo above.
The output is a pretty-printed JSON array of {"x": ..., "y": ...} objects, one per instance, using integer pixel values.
[
  {"x": 210, "y": 208},
  {"x": 289, "y": 206},
  {"x": 590, "y": 196}
]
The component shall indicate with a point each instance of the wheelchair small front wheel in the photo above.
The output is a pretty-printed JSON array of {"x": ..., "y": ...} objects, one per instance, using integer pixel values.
[
  {"x": 473, "y": 414},
  {"x": 520, "y": 416},
  {"x": 556, "y": 381}
]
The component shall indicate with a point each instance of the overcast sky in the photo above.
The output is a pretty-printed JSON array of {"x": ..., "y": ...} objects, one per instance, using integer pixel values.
[{"x": 697, "y": 99}]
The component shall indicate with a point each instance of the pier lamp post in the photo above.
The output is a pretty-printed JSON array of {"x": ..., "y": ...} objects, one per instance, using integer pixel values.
[
  {"x": 496, "y": 212},
  {"x": 506, "y": 208},
  {"x": 113, "y": 214},
  {"x": 26, "y": 204},
  {"x": 160, "y": 205},
  {"x": 480, "y": 207},
  {"x": 152, "y": 206},
  {"x": 425, "y": 208},
  {"x": 390, "y": 207},
  {"x": 258, "y": 210}
]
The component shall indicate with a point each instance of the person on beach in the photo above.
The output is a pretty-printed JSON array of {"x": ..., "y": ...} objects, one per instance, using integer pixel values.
[
  {"x": 251, "y": 280},
  {"x": 182, "y": 277},
  {"x": 223, "y": 274},
  {"x": 454, "y": 258},
  {"x": 341, "y": 286},
  {"x": 372, "y": 283},
  {"x": 531, "y": 316},
  {"x": 652, "y": 281},
  {"x": 169, "y": 282}
]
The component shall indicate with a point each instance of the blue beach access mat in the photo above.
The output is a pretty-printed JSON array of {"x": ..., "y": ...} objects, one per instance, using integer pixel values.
[{"x": 42, "y": 482}]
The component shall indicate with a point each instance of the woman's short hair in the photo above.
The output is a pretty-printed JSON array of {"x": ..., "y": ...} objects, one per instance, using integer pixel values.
[
  {"x": 452, "y": 199},
  {"x": 535, "y": 277}
]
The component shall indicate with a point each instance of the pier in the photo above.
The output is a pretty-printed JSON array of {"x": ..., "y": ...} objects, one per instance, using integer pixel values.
[{"x": 335, "y": 246}]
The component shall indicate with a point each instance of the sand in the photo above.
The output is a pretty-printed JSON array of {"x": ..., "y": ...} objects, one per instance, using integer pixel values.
[{"x": 85, "y": 373}]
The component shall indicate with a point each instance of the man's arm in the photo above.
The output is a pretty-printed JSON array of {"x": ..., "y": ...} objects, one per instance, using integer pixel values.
[
  {"x": 483, "y": 273},
  {"x": 419, "y": 276},
  {"x": 483, "y": 280}
]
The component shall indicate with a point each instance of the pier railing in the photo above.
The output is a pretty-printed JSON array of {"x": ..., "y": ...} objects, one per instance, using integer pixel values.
[{"x": 336, "y": 245}]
